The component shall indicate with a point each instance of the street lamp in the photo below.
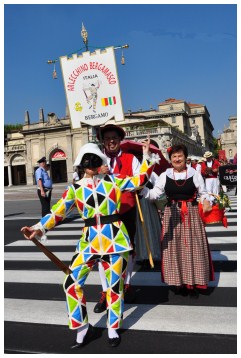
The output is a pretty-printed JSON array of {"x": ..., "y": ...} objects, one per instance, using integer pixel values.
[{"x": 84, "y": 35}]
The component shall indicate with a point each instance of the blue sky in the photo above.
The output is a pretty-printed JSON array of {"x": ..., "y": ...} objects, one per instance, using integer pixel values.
[{"x": 185, "y": 52}]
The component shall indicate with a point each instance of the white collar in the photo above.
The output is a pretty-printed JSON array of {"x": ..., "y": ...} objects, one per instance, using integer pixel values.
[{"x": 190, "y": 172}]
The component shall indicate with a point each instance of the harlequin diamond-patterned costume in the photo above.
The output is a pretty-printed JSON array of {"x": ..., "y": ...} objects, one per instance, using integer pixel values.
[{"x": 104, "y": 238}]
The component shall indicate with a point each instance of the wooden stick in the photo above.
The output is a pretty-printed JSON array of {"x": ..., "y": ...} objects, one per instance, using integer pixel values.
[
  {"x": 145, "y": 232},
  {"x": 50, "y": 255}
]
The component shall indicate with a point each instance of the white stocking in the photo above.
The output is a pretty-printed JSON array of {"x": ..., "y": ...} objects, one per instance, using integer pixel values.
[
  {"x": 102, "y": 276},
  {"x": 81, "y": 332},
  {"x": 112, "y": 333},
  {"x": 129, "y": 269}
]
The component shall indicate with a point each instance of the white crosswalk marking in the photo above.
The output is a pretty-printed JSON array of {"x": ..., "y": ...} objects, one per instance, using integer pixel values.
[
  {"x": 189, "y": 317},
  {"x": 67, "y": 256},
  {"x": 144, "y": 317},
  {"x": 222, "y": 279}
]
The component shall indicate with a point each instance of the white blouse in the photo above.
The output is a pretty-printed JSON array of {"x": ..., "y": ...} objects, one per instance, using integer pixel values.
[{"x": 159, "y": 190}]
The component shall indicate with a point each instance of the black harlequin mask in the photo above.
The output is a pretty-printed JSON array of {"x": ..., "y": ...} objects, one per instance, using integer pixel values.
[{"x": 91, "y": 161}]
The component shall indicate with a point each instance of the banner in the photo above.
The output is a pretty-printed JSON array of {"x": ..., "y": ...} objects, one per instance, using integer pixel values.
[
  {"x": 228, "y": 174},
  {"x": 221, "y": 155},
  {"x": 92, "y": 87}
]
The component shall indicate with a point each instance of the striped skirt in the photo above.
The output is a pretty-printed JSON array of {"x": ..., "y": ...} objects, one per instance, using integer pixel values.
[{"x": 186, "y": 258}]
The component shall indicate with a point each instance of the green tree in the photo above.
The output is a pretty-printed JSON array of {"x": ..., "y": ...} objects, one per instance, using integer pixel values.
[
  {"x": 8, "y": 128},
  {"x": 216, "y": 147}
]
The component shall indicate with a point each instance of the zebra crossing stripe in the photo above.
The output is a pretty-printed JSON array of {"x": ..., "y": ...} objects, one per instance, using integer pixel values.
[
  {"x": 67, "y": 256},
  {"x": 73, "y": 242},
  {"x": 222, "y": 279},
  {"x": 188, "y": 319}
]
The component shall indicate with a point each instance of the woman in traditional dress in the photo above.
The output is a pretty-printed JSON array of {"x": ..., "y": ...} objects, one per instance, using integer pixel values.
[{"x": 186, "y": 261}]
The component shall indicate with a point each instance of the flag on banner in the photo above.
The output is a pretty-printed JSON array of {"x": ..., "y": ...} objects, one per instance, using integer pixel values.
[
  {"x": 89, "y": 79},
  {"x": 109, "y": 101}
]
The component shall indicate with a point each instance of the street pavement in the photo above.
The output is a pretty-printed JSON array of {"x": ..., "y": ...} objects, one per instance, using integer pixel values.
[{"x": 157, "y": 322}]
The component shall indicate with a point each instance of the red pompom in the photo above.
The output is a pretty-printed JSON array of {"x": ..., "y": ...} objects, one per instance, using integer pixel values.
[{"x": 225, "y": 221}]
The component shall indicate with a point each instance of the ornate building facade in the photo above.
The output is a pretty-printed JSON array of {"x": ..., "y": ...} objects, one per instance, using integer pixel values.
[
  {"x": 175, "y": 121},
  {"x": 228, "y": 139}
]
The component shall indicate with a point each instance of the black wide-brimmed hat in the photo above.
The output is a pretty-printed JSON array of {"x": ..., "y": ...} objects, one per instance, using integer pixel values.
[
  {"x": 43, "y": 159},
  {"x": 111, "y": 127}
]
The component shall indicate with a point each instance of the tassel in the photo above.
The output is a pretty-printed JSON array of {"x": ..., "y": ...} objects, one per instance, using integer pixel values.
[{"x": 225, "y": 222}]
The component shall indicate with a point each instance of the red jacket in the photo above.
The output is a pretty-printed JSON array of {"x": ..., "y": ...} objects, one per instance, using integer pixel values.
[
  {"x": 128, "y": 199},
  {"x": 215, "y": 165}
]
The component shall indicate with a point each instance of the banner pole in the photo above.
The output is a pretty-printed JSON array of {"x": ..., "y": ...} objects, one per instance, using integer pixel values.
[{"x": 145, "y": 232}]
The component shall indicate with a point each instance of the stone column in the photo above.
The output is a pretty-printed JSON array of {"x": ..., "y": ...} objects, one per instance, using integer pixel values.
[
  {"x": 41, "y": 115},
  {"x": 9, "y": 175},
  {"x": 69, "y": 161},
  {"x": 29, "y": 168},
  {"x": 26, "y": 118}
]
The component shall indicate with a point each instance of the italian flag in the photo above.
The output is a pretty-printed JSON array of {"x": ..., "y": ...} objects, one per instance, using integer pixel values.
[{"x": 109, "y": 101}]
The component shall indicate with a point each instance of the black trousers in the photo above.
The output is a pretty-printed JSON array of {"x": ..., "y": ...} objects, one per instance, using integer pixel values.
[
  {"x": 45, "y": 202},
  {"x": 129, "y": 219}
]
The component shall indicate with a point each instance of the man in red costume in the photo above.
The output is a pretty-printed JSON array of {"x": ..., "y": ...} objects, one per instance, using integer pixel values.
[
  {"x": 126, "y": 164},
  {"x": 209, "y": 170}
]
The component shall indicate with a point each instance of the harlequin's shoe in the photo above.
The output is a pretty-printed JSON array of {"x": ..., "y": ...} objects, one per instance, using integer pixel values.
[
  {"x": 129, "y": 294},
  {"x": 101, "y": 305},
  {"x": 114, "y": 342},
  {"x": 90, "y": 335}
]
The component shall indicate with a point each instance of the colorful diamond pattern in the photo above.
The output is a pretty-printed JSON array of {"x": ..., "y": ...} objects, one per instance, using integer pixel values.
[
  {"x": 115, "y": 266},
  {"x": 98, "y": 196}
]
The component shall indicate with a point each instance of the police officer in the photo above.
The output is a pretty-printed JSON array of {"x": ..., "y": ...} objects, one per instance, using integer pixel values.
[{"x": 44, "y": 185}]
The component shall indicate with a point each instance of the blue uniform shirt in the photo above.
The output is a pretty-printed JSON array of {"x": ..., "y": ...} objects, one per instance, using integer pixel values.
[{"x": 43, "y": 175}]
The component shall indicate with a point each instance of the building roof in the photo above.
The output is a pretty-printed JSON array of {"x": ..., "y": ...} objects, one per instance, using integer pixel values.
[{"x": 171, "y": 100}]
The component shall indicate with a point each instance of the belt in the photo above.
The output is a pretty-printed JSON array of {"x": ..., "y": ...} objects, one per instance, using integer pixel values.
[
  {"x": 179, "y": 202},
  {"x": 107, "y": 219}
]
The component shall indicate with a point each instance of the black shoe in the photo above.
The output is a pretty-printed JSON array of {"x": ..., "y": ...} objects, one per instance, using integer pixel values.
[
  {"x": 181, "y": 290},
  {"x": 114, "y": 342},
  {"x": 101, "y": 305},
  {"x": 129, "y": 294},
  {"x": 194, "y": 293},
  {"x": 90, "y": 334}
]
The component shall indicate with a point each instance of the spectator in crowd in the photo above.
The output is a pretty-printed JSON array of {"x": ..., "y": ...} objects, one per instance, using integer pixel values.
[
  {"x": 44, "y": 185},
  {"x": 198, "y": 166},
  {"x": 209, "y": 170},
  {"x": 76, "y": 175},
  {"x": 189, "y": 162},
  {"x": 194, "y": 162}
]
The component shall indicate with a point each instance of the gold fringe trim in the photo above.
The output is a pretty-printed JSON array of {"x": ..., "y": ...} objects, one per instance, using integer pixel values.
[{"x": 214, "y": 222}]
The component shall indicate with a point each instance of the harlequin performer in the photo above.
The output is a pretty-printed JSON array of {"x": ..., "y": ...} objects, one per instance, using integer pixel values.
[
  {"x": 185, "y": 255},
  {"x": 104, "y": 238},
  {"x": 209, "y": 170}
]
